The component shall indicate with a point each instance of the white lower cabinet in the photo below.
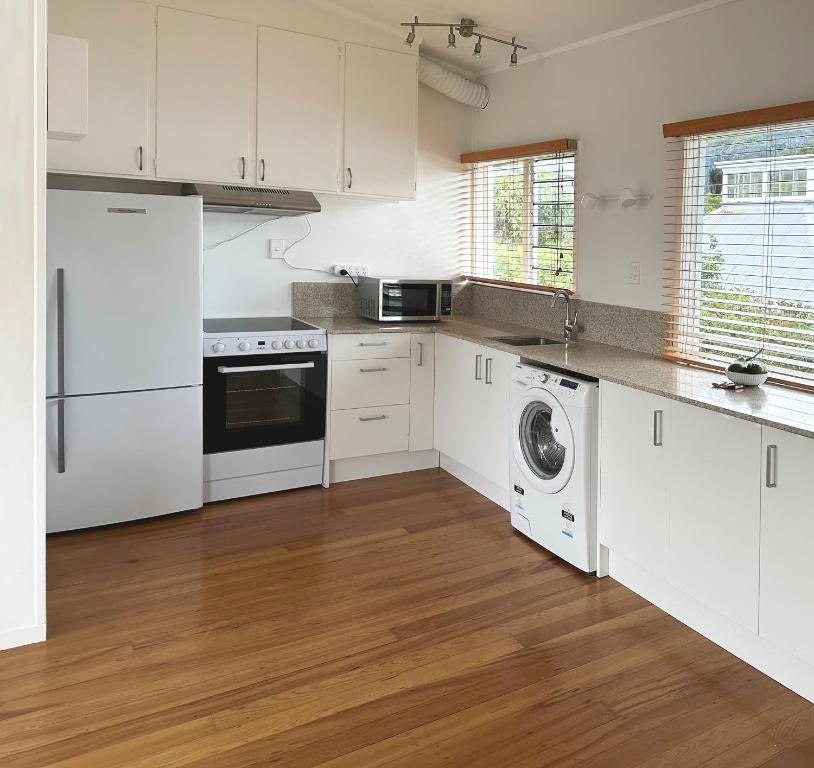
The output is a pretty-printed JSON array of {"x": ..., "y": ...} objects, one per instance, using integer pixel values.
[
  {"x": 635, "y": 470},
  {"x": 787, "y": 533},
  {"x": 680, "y": 497},
  {"x": 472, "y": 385},
  {"x": 381, "y": 394}
]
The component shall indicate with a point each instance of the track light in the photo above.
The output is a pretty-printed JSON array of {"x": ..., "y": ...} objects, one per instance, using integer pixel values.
[
  {"x": 513, "y": 57},
  {"x": 478, "y": 48},
  {"x": 411, "y": 35},
  {"x": 451, "y": 37}
]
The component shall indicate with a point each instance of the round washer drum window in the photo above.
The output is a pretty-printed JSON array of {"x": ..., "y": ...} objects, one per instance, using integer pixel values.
[{"x": 542, "y": 451}]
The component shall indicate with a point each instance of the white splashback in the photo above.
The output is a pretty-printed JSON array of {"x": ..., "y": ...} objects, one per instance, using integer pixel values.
[{"x": 406, "y": 239}]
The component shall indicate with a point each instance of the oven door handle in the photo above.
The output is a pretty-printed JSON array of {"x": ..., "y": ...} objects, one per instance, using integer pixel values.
[{"x": 256, "y": 368}]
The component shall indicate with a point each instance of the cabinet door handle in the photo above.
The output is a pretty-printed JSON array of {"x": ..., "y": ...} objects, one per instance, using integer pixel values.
[
  {"x": 658, "y": 428},
  {"x": 350, "y": 178},
  {"x": 242, "y": 167},
  {"x": 61, "y": 436},
  {"x": 141, "y": 158},
  {"x": 262, "y": 169},
  {"x": 488, "y": 370},
  {"x": 478, "y": 376},
  {"x": 420, "y": 353},
  {"x": 372, "y": 370},
  {"x": 771, "y": 466},
  {"x": 372, "y": 418}
]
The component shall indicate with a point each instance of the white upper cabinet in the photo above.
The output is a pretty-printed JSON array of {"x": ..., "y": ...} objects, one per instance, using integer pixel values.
[
  {"x": 298, "y": 110},
  {"x": 205, "y": 102},
  {"x": 786, "y": 535},
  {"x": 381, "y": 111},
  {"x": 119, "y": 90}
]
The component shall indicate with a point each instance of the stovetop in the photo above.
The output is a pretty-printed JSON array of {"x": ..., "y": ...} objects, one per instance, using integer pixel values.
[{"x": 242, "y": 325}]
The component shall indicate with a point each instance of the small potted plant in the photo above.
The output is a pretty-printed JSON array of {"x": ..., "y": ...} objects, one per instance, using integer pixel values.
[{"x": 748, "y": 371}]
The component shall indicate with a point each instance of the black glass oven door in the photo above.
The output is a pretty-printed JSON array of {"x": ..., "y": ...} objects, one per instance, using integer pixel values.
[
  {"x": 406, "y": 300},
  {"x": 262, "y": 400}
]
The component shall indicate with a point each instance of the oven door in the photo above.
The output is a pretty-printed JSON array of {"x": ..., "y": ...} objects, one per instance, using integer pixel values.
[
  {"x": 253, "y": 401},
  {"x": 406, "y": 300}
]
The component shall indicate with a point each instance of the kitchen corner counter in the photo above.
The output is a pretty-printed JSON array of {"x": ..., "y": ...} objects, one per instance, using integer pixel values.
[{"x": 779, "y": 407}]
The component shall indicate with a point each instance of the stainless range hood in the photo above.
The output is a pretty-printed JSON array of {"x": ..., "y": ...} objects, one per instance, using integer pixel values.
[{"x": 267, "y": 201}]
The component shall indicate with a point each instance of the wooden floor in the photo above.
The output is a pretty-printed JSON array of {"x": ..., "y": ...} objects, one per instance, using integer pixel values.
[{"x": 396, "y": 621}]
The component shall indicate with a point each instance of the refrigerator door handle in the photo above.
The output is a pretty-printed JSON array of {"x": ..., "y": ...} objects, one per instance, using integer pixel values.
[
  {"x": 61, "y": 332},
  {"x": 61, "y": 436}
]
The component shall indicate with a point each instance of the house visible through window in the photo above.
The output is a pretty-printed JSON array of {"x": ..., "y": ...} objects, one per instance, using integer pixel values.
[
  {"x": 521, "y": 215},
  {"x": 741, "y": 248}
]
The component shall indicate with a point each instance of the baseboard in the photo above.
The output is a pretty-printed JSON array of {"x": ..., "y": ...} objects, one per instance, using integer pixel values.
[
  {"x": 477, "y": 482},
  {"x": 788, "y": 670},
  {"x": 22, "y": 636},
  {"x": 382, "y": 464}
]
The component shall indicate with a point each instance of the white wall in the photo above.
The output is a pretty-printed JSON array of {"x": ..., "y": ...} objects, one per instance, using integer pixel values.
[
  {"x": 614, "y": 97},
  {"x": 392, "y": 239},
  {"x": 22, "y": 525}
]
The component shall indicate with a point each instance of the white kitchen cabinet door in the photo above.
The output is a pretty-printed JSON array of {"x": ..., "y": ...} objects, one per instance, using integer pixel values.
[
  {"x": 67, "y": 87},
  {"x": 636, "y": 445},
  {"x": 786, "y": 535},
  {"x": 456, "y": 412},
  {"x": 205, "y": 103},
  {"x": 381, "y": 116},
  {"x": 126, "y": 456},
  {"x": 715, "y": 511},
  {"x": 422, "y": 388},
  {"x": 298, "y": 110},
  {"x": 120, "y": 86},
  {"x": 492, "y": 416}
]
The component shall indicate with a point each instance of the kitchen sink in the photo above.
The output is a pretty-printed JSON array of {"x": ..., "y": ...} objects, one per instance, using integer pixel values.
[{"x": 525, "y": 341}]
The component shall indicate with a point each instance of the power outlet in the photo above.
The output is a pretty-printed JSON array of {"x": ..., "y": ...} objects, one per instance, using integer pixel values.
[
  {"x": 355, "y": 270},
  {"x": 635, "y": 274},
  {"x": 276, "y": 248}
]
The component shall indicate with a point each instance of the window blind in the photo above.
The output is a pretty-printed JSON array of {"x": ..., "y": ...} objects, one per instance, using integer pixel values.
[
  {"x": 520, "y": 216},
  {"x": 739, "y": 273}
]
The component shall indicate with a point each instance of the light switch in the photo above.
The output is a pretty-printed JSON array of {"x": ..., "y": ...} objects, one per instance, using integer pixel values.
[{"x": 635, "y": 274}]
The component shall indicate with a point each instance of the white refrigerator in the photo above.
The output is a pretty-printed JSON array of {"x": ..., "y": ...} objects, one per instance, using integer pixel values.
[{"x": 124, "y": 365}]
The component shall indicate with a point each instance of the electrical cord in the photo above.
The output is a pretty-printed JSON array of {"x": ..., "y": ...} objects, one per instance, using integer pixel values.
[
  {"x": 239, "y": 234},
  {"x": 295, "y": 242},
  {"x": 348, "y": 274}
]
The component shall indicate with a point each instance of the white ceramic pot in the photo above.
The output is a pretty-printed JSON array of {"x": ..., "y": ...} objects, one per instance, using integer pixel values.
[{"x": 747, "y": 379}]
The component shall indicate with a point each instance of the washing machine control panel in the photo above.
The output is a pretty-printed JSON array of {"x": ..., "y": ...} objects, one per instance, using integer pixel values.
[{"x": 562, "y": 386}]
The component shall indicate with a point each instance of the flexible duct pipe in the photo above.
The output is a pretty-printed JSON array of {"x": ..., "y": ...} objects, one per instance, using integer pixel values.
[{"x": 452, "y": 85}]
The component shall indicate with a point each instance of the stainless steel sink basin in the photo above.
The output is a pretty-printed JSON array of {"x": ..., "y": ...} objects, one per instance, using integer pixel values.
[{"x": 525, "y": 341}]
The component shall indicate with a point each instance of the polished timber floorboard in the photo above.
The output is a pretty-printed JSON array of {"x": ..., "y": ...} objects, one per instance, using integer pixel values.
[{"x": 395, "y": 621}]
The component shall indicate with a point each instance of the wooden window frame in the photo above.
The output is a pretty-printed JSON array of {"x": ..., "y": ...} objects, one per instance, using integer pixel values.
[{"x": 522, "y": 152}]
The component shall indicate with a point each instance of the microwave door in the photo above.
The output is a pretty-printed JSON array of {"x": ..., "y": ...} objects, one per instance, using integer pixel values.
[{"x": 409, "y": 301}]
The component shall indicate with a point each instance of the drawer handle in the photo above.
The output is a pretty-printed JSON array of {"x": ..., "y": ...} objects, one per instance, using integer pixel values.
[
  {"x": 771, "y": 466},
  {"x": 373, "y": 343},
  {"x": 372, "y": 370},
  {"x": 372, "y": 418}
]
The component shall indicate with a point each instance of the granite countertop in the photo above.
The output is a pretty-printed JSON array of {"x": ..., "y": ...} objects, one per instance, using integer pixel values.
[{"x": 780, "y": 407}]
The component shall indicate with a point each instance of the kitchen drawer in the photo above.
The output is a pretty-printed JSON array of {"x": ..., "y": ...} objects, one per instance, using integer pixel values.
[
  {"x": 363, "y": 346},
  {"x": 369, "y": 431},
  {"x": 363, "y": 383}
]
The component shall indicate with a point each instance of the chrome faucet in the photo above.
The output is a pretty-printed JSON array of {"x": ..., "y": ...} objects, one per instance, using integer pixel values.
[{"x": 569, "y": 328}]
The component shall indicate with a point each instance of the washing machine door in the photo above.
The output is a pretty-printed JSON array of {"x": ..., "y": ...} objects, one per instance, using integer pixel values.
[{"x": 543, "y": 441}]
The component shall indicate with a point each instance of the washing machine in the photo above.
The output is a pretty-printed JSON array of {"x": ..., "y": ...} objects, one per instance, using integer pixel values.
[{"x": 554, "y": 456}]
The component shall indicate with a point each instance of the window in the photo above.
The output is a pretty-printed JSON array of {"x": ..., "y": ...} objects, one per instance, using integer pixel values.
[
  {"x": 521, "y": 215},
  {"x": 740, "y": 235}
]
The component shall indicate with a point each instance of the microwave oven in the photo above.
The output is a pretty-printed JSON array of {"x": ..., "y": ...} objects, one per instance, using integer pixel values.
[{"x": 399, "y": 300}]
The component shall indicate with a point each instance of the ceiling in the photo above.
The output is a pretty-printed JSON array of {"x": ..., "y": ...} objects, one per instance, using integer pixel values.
[{"x": 542, "y": 25}]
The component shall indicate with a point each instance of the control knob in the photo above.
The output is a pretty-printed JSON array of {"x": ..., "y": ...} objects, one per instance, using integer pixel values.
[
  {"x": 289, "y": 344},
  {"x": 218, "y": 346},
  {"x": 276, "y": 344},
  {"x": 313, "y": 343},
  {"x": 302, "y": 343},
  {"x": 544, "y": 377},
  {"x": 244, "y": 346}
]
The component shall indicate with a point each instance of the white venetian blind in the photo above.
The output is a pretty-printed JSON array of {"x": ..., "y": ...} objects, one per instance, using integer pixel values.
[
  {"x": 739, "y": 277},
  {"x": 520, "y": 215}
]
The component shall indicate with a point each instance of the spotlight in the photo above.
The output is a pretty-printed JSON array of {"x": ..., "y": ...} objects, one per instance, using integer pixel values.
[
  {"x": 478, "y": 48},
  {"x": 410, "y": 38},
  {"x": 451, "y": 38},
  {"x": 513, "y": 57}
]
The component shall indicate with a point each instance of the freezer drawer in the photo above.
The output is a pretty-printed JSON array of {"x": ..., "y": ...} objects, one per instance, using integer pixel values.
[{"x": 126, "y": 456}]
